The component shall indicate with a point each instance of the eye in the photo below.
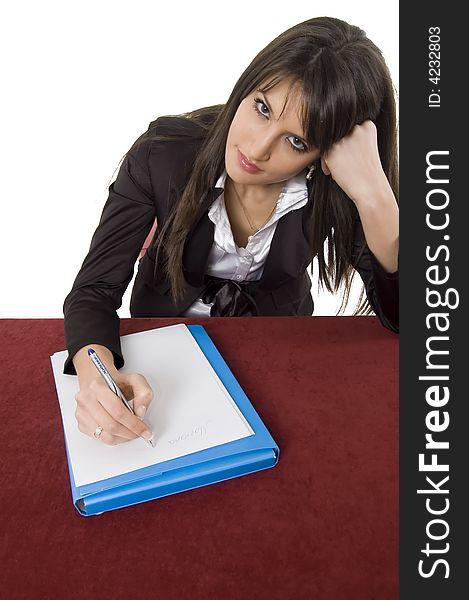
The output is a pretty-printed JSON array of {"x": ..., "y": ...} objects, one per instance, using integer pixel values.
[
  {"x": 256, "y": 103},
  {"x": 297, "y": 144}
]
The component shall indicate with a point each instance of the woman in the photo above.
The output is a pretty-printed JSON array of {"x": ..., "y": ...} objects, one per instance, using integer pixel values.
[{"x": 245, "y": 195}]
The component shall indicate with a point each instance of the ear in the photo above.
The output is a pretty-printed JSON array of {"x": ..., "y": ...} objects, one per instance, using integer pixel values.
[{"x": 324, "y": 167}]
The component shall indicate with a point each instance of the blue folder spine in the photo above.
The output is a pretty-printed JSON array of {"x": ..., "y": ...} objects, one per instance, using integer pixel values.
[{"x": 176, "y": 481}]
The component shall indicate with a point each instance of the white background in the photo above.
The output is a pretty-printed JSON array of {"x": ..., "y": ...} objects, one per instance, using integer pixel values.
[{"x": 81, "y": 81}]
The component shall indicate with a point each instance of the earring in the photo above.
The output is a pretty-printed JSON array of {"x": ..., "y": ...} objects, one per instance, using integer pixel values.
[{"x": 310, "y": 173}]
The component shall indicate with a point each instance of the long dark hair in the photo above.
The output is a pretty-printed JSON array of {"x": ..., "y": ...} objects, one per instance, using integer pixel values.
[{"x": 344, "y": 81}]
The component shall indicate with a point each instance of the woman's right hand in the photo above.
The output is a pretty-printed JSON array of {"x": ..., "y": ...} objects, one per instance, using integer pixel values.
[{"x": 98, "y": 406}]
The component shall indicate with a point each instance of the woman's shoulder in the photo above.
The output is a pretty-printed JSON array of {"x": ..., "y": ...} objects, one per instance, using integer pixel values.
[
  {"x": 176, "y": 130},
  {"x": 167, "y": 149},
  {"x": 172, "y": 127},
  {"x": 195, "y": 124}
]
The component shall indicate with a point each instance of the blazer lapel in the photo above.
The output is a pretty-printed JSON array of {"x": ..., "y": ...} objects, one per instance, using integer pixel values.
[
  {"x": 289, "y": 253},
  {"x": 288, "y": 257},
  {"x": 199, "y": 242}
]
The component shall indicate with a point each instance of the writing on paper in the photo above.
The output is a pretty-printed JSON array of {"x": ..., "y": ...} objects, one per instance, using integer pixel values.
[{"x": 200, "y": 430}]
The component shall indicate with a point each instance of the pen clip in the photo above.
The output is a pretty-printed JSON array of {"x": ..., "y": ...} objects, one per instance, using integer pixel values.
[{"x": 109, "y": 380}]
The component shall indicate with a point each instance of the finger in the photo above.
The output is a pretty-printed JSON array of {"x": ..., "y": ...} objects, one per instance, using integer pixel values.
[
  {"x": 369, "y": 124},
  {"x": 94, "y": 413},
  {"x": 324, "y": 167},
  {"x": 87, "y": 425},
  {"x": 138, "y": 389},
  {"x": 120, "y": 413}
]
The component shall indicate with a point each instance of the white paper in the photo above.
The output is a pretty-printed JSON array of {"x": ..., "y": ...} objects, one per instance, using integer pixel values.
[{"x": 191, "y": 409}]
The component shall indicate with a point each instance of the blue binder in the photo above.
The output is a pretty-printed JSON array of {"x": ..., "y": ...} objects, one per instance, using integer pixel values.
[{"x": 226, "y": 461}]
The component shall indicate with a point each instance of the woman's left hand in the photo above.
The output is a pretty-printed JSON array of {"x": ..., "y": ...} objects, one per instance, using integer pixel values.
[{"x": 355, "y": 165}]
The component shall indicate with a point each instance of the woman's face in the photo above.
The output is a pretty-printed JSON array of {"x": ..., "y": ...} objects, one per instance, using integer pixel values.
[{"x": 263, "y": 147}]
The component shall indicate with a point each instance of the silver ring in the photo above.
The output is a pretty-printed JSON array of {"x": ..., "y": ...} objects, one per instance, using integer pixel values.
[{"x": 98, "y": 431}]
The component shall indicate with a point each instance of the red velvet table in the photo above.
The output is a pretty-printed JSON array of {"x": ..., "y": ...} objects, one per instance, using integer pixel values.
[{"x": 322, "y": 524}]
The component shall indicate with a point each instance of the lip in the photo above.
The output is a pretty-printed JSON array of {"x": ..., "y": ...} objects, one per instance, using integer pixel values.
[{"x": 246, "y": 165}]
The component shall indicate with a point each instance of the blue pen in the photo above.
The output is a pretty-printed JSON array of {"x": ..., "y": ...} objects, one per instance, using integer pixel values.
[{"x": 111, "y": 383}]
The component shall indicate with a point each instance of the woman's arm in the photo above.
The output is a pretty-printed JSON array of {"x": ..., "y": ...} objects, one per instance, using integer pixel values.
[
  {"x": 379, "y": 215},
  {"x": 382, "y": 287},
  {"x": 355, "y": 166},
  {"x": 86, "y": 369},
  {"x": 90, "y": 309}
]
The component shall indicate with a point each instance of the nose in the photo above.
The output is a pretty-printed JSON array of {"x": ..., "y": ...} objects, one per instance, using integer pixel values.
[{"x": 261, "y": 147}]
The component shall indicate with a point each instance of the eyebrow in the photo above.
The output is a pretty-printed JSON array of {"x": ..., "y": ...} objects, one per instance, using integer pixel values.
[{"x": 300, "y": 137}]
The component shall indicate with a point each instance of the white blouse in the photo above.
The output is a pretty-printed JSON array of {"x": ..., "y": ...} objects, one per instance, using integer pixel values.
[{"x": 229, "y": 261}]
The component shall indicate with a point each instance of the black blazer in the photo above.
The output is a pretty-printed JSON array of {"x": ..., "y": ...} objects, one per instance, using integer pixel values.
[{"x": 149, "y": 182}]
